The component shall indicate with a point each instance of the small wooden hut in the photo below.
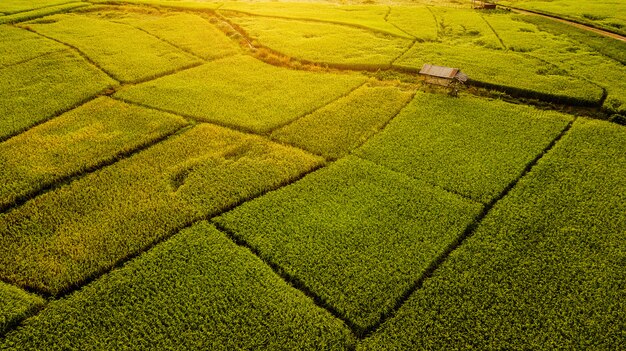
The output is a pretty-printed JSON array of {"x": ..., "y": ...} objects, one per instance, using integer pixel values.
[
  {"x": 444, "y": 76},
  {"x": 483, "y": 5}
]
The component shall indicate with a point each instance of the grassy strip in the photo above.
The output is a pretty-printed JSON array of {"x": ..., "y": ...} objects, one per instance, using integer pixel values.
[
  {"x": 544, "y": 270},
  {"x": 343, "y": 125},
  {"x": 93, "y": 134},
  {"x": 187, "y": 31},
  {"x": 471, "y": 146},
  {"x": 15, "y": 304},
  {"x": 172, "y": 4},
  {"x": 46, "y": 11},
  {"x": 242, "y": 92},
  {"x": 66, "y": 236},
  {"x": 604, "y": 14},
  {"x": 415, "y": 20},
  {"x": 357, "y": 235},
  {"x": 369, "y": 17},
  {"x": 322, "y": 42},
  {"x": 128, "y": 54},
  {"x": 196, "y": 291},
  {"x": 43, "y": 87},
  {"x": 509, "y": 71},
  {"x": 30, "y": 46}
]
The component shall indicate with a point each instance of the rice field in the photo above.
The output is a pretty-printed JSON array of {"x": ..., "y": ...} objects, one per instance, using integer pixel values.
[{"x": 187, "y": 175}]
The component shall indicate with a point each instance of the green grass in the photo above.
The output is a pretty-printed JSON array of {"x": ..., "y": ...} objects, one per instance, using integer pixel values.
[
  {"x": 126, "y": 53},
  {"x": 242, "y": 92},
  {"x": 196, "y": 291},
  {"x": 336, "y": 129},
  {"x": 471, "y": 146},
  {"x": 93, "y": 134},
  {"x": 417, "y": 21},
  {"x": 15, "y": 304},
  {"x": 190, "y": 32},
  {"x": 36, "y": 90},
  {"x": 508, "y": 71},
  {"x": 355, "y": 234},
  {"x": 606, "y": 14},
  {"x": 31, "y": 46},
  {"x": 28, "y": 15},
  {"x": 545, "y": 269},
  {"x": 371, "y": 17},
  {"x": 63, "y": 237},
  {"x": 323, "y": 42}
]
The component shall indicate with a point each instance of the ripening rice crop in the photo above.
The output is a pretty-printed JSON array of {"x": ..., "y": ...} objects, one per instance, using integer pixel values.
[
  {"x": 82, "y": 139},
  {"x": 14, "y": 6},
  {"x": 31, "y": 46},
  {"x": 418, "y": 21},
  {"x": 40, "y": 12},
  {"x": 126, "y": 53},
  {"x": 545, "y": 268},
  {"x": 61, "y": 238},
  {"x": 371, "y": 17},
  {"x": 170, "y": 4},
  {"x": 36, "y": 90},
  {"x": 324, "y": 42},
  {"x": 197, "y": 291},
  {"x": 243, "y": 92},
  {"x": 474, "y": 147},
  {"x": 15, "y": 304},
  {"x": 336, "y": 129},
  {"x": 356, "y": 234},
  {"x": 189, "y": 32}
]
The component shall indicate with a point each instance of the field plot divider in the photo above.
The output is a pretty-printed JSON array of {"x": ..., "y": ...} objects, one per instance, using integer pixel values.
[
  {"x": 426, "y": 182},
  {"x": 163, "y": 40},
  {"x": 468, "y": 232},
  {"x": 191, "y": 118},
  {"x": 295, "y": 119},
  {"x": 383, "y": 128},
  {"x": 79, "y": 104},
  {"x": 75, "y": 49},
  {"x": 43, "y": 7},
  {"x": 65, "y": 180},
  {"x": 301, "y": 19},
  {"x": 32, "y": 58},
  {"x": 435, "y": 18},
  {"x": 400, "y": 29},
  {"x": 401, "y": 55},
  {"x": 289, "y": 279},
  {"x": 109, "y": 92},
  {"x": 33, "y": 311},
  {"x": 121, "y": 262},
  {"x": 195, "y": 121},
  {"x": 494, "y": 32}
]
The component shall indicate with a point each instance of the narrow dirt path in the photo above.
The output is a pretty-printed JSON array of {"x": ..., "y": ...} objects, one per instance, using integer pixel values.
[{"x": 572, "y": 23}]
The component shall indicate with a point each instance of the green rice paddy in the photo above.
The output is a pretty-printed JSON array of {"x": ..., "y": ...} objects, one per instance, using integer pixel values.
[{"x": 197, "y": 175}]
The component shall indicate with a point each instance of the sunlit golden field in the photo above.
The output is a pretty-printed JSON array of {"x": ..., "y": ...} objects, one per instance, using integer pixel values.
[{"x": 199, "y": 175}]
